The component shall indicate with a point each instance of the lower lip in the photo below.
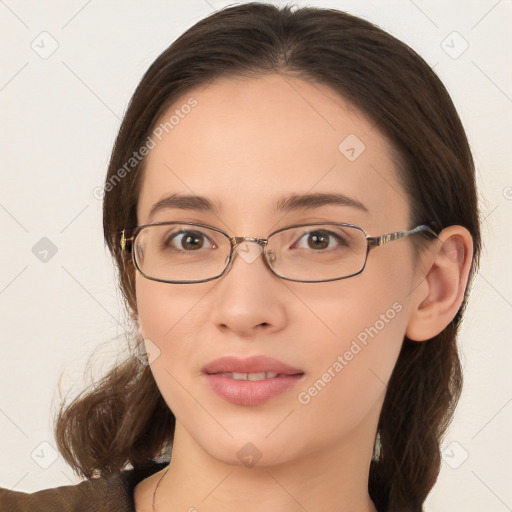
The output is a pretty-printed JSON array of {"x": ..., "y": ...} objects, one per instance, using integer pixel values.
[{"x": 251, "y": 392}]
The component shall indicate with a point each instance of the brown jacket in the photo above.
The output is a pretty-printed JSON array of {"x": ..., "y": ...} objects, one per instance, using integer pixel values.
[{"x": 112, "y": 494}]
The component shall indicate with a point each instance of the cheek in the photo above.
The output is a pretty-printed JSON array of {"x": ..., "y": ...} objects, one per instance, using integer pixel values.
[
  {"x": 163, "y": 319},
  {"x": 356, "y": 329},
  {"x": 165, "y": 309},
  {"x": 364, "y": 339},
  {"x": 353, "y": 365},
  {"x": 167, "y": 321}
]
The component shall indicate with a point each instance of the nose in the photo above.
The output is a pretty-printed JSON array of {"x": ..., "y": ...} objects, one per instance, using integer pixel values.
[{"x": 249, "y": 299}]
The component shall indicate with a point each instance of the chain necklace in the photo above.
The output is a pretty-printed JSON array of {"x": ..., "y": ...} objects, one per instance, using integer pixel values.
[{"x": 156, "y": 488}]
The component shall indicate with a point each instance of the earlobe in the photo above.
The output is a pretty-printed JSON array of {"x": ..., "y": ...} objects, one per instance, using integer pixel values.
[{"x": 436, "y": 302}]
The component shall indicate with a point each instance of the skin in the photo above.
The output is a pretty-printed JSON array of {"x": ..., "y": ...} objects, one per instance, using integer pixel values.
[{"x": 247, "y": 144}]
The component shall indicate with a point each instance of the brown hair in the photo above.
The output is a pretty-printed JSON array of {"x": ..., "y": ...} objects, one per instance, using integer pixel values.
[{"x": 123, "y": 419}]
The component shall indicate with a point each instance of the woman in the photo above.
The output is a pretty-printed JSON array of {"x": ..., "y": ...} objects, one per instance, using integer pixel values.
[{"x": 291, "y": 206}]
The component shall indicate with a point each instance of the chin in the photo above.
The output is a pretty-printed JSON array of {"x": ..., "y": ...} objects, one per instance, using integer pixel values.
[{"x": 250, "y": 450}]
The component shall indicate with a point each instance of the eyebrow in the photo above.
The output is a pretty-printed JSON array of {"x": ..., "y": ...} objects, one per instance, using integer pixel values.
[
  {"x": 317, "y": 200},
  {"x": 182, "y": 202},
  {"x": 293, "y": 202}
]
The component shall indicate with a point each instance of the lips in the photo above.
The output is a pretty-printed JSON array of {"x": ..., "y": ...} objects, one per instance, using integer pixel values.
[
  {"x": 250, "y": 381},
  {"x": 253, "y": 364}
]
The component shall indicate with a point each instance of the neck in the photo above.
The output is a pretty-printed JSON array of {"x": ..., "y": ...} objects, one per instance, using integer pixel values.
[{"x": 335, "y": 479}]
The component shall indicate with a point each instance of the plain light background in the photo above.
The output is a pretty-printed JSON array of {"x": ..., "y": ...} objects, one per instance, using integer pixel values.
[{"x": 59, "y": 116}]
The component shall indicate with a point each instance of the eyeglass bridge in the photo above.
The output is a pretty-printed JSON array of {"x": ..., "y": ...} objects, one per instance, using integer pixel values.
[{"x": 262, "y": 242}]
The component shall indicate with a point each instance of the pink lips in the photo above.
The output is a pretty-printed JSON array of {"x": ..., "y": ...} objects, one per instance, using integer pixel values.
[{"x": 279, "y": 378}]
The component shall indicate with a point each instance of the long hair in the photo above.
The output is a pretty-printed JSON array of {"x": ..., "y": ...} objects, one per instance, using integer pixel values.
[{"x": 123, "y": 418}]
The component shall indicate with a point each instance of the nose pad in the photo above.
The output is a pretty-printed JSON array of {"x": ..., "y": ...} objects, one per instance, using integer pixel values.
[{"x": 271, "y": 256}]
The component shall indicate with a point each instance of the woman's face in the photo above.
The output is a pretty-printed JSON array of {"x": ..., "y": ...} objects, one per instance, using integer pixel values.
[{"x": 247, "y": 146}]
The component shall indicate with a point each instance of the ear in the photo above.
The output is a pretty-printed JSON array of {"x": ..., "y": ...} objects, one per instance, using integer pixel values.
[{"x": 436, "y": 300}]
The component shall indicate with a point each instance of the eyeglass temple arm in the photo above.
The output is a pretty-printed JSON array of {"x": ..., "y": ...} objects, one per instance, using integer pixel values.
[
  {"x": 377, "y": 241},
  {"x": 123, "y": 240}
]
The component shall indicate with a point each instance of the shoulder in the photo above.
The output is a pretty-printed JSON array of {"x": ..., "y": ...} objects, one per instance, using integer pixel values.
[{"x": 111, "y": 494}]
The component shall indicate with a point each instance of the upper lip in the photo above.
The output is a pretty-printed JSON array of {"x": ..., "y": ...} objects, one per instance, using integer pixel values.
[{"x": 252, "y": 364}]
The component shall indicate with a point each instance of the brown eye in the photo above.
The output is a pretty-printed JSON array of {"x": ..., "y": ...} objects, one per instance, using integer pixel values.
[
  {"x": 187, "y": 241},
  {"x": 319, "y": 240}
]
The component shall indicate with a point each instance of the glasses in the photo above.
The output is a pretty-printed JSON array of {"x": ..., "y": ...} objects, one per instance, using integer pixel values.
[{"x": 186, "y": 252}]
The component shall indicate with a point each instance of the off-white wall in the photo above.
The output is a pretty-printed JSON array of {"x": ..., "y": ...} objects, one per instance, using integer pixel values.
[{"x": 59, "y": 117}]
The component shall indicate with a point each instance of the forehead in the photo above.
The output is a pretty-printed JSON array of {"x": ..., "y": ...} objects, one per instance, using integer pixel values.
[{"x": 246, "y": 144}]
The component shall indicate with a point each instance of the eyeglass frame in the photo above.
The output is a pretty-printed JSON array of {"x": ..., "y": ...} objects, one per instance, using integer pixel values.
[{"x": 371, "y": 243}]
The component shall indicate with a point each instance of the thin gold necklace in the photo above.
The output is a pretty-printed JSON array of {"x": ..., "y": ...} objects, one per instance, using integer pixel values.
[{"x": 156, "y": 488}]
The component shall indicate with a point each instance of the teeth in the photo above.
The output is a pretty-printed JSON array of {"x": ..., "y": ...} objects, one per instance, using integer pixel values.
[
  {"x": 250, "y": 376},
  {"x": 255, "y": 376}
]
